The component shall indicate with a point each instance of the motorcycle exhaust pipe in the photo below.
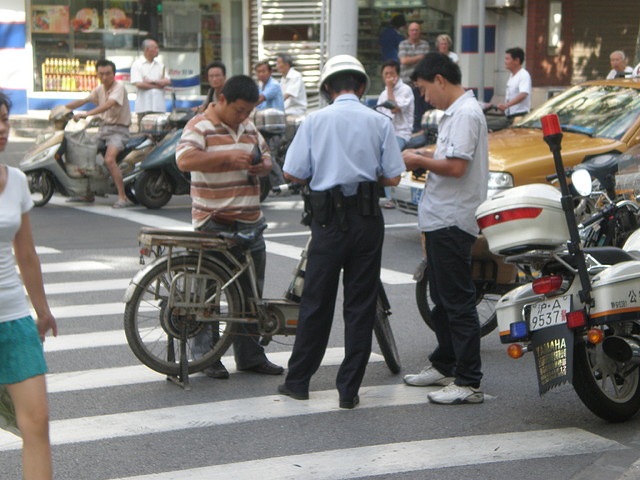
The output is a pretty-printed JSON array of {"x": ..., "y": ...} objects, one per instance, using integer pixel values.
[{"x": 622, "y": 349}]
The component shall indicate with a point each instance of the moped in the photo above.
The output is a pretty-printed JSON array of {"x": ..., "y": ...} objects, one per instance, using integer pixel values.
[{"x": 67, "y": 160}]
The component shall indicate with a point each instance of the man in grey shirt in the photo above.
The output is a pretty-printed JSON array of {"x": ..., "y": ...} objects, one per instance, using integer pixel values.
[
  {"x": 411, "y": 51},
  {"x": 456, "y": 185}
]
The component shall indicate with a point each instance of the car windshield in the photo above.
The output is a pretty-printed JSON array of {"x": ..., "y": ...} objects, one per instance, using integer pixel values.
[{"x": 594, "y": 110}]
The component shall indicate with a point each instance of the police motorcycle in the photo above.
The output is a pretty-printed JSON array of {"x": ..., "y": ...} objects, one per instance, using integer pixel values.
[
  {"x": 157, "y": 177},
  {"x": 65, "y": 159},
  {"x": 580, "y": 317}
]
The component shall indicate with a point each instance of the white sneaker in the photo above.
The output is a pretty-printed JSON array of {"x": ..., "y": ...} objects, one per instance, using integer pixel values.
[
  {"x": 428, "y": 376},
  {"x": 454, "y": 394}
]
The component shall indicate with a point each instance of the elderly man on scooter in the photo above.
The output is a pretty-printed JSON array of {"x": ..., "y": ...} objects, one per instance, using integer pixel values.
[{"x": 113, "y": 107}]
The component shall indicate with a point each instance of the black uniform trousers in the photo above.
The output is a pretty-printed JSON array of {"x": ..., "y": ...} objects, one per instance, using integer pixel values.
[
  {"x": 358, "y": 253},
  {"x": 454, "y": 314}
]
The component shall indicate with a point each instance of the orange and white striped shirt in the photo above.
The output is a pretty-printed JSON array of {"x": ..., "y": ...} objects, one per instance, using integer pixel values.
[{"x": 226, "y": 194}]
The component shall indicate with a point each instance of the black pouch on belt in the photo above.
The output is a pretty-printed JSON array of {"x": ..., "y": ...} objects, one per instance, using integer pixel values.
[
  {"x": 321, "y": 206},
  {"x": 368, "y": 199}
]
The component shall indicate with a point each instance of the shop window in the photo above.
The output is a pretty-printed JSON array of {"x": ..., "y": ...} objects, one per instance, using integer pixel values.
[
  {"x": 290, "y": 33},
  {"x": 555, "y": 27}
]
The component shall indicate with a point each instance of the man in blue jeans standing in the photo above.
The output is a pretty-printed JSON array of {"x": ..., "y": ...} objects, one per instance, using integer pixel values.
[{"x": 456, "y": 185}]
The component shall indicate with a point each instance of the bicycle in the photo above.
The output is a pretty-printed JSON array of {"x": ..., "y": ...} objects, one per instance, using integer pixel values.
[{"x": 207, "y": 282}]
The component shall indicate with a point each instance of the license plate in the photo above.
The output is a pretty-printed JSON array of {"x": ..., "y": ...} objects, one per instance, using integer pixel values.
[
  {"x": 549, "y": 312},
  {"x": 416, "y": 194}
]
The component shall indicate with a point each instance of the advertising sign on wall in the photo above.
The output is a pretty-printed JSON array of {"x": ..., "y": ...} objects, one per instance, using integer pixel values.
[{"x": 49, "y": 19}]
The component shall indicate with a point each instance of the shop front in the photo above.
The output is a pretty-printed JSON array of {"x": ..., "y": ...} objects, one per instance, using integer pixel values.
[{"x": 64, "y": 38}]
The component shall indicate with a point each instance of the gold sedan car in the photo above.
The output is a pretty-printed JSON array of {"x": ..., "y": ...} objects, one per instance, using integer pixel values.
[{"x": 596, "y": 117}]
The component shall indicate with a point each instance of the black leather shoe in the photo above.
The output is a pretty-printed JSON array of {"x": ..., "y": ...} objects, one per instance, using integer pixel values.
[
  {"x": 217, "y": 370},
  {"x": 349, "y": 402},
  {"x": 284, "y": 390},
  {"x": 267, "y": 368}
]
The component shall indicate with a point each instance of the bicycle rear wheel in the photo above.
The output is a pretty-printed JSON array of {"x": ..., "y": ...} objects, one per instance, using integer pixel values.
[
  {"x": 485, "y": 304},
  {"x": 384, "y": 335},
  {"x": 156, "y": 332}
]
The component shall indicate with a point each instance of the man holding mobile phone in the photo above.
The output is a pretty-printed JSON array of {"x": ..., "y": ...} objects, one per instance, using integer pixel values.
[{"x": 219, "y": 148}]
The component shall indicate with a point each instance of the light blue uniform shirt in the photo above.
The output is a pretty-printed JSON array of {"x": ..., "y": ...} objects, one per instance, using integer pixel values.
[
  {"x": 272, "y": 94},
  {"x": 344, "y": 144}
]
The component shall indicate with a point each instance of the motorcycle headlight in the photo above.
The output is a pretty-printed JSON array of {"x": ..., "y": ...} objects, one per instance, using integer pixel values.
[{"x": 499, "y": 181}]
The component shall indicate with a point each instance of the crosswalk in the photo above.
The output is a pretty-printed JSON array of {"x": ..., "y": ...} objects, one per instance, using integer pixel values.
[{"x": 90, "y": 361}]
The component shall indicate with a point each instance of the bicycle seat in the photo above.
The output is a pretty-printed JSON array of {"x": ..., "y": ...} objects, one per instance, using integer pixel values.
[{"x": 243, "y": 239}]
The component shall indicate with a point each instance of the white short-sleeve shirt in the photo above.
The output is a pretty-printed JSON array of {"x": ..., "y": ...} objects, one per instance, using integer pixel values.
[
  {"x": 517, "y": 84},
  {"x": 15, "y": 200},
  {"x": 151, "y": 100},
  {"x": 293, "y": 85},
  {"x": 449, "y": 201}
]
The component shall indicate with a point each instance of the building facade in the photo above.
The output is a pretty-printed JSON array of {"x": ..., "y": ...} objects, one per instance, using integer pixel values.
[{"x": 49, "y": 47}]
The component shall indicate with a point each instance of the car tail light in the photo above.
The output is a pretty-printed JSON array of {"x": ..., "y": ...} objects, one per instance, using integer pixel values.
[{"x": 507, "y": 216}]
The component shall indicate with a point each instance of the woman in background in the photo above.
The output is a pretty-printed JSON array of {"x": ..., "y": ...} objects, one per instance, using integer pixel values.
[
  {"x": 444, "y": 44},
  {"x": 22, "y": 364}
]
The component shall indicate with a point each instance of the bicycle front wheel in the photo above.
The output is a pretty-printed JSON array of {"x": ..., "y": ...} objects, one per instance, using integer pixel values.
[
  {"x": 155, "y": 331},
  {"x": 384, "y": 335}
]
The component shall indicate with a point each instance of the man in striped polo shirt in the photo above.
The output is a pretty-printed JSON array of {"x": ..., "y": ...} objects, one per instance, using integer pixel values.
[{"x": 218, "y": 147}]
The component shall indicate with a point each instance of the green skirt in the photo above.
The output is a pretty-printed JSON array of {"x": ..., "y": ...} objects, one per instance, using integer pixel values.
[{"x": 21, "y": 354}]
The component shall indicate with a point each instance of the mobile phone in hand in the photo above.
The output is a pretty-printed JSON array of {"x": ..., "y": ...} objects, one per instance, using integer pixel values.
[{"x": 256, "y": 155}]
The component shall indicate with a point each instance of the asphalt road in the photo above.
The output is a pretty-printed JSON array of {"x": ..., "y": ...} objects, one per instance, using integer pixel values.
[{"x": 114, "y": 419}]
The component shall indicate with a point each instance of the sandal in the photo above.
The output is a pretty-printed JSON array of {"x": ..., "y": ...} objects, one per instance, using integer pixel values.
[{"x": 120, "y": 204}]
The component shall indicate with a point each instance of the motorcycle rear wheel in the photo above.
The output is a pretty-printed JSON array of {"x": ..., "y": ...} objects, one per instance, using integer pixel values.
[
  {"x": 153, "y": 189},
  {"x": 41, "y": 187},
  {"x": 610, "y": 389},
  {"x": 485, "y": 304},
  {"x": 154, "y": 333}
]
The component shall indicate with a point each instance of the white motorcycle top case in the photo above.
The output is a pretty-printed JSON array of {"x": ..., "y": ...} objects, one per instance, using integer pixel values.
[{"x": 523, "y": 218}]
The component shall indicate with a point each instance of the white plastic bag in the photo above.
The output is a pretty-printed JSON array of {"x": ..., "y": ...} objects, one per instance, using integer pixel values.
[{"x": 7, "y": 412}]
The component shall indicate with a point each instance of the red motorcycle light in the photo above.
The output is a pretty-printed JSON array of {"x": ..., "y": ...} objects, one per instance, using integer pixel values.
[
  {"x": 550, "y": 125},
  {"x": 547, "y": 284},
  {"x": 515, "y": 350},
  {"x": 595, "y": 336},
  {"x": 507, "y": 216},
  {"x": 576, "y": 319}
]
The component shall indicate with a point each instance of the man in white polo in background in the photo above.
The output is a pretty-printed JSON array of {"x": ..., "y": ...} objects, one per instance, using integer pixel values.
[
  {"x": 292, "y": 84},
  {"x": 150, "y": 78}
]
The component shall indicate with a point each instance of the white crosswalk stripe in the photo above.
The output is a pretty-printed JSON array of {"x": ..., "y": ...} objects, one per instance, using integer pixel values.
[
  {"x": 397, "y": 458},
  {"x": 70, "y": 302}
]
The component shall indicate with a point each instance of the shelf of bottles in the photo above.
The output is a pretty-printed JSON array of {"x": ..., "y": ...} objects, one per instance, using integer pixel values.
[{"x": 68, "y": 75}]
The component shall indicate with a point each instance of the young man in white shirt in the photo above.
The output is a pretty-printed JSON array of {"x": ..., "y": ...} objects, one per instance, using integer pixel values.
[
  {"x": 458, "y": 175},
  {"x": 518, "y": 95},
  {"x": 150, "y": 78}
]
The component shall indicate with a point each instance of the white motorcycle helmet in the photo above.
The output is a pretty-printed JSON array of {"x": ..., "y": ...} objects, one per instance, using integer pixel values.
[{"x": 339, "y": 64}]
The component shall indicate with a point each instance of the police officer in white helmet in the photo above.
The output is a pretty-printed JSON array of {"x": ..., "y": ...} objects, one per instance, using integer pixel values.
[{"x": 345, "y": 152}]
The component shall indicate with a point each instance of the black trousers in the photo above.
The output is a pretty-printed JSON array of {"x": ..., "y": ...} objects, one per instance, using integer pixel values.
[
  {"x": 358, "y": 253},
  {"x": 454, "y": 314}
]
